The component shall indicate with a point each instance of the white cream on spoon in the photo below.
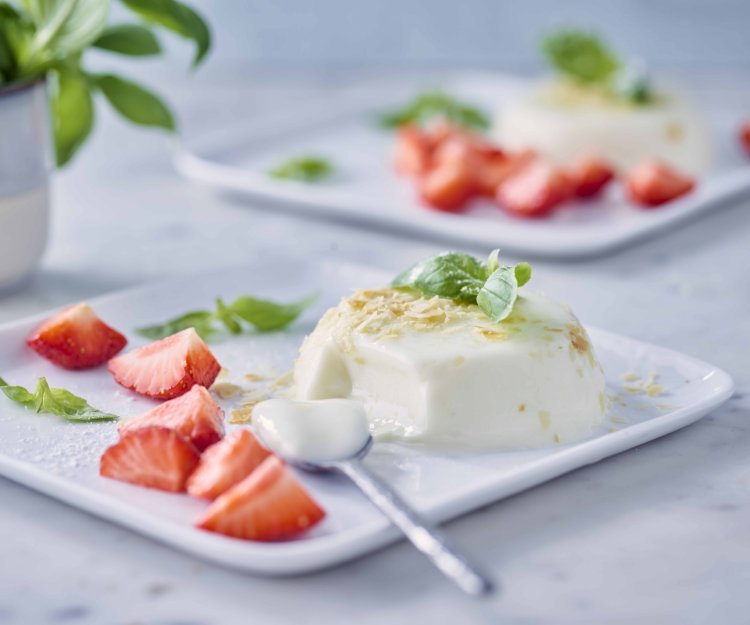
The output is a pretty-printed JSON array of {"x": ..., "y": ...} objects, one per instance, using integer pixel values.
[
  {"x": 312, "y": 431},
  {"x": 334, "y": 434}
]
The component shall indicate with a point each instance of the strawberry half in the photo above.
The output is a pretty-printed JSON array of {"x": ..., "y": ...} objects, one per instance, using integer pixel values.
[
  {"x": 194, "y": 416},
  {"x": 653, "y": 183},
  {"x": 745, "y": 136},
  {"x": 225, "y": 464},
  {"x": 534, "y": 190},
  {"x": 75, "y": 338},
  {"x": 269, "y": 504},
  {"x": 412, "y": 151},
  {"x": 589, "y": 175},
  {"x": 448, "y": 187},
  {"x": 167, "y": 368},
  {"x": 155, "y": 457},
  {"x": 496, "y": 168}
]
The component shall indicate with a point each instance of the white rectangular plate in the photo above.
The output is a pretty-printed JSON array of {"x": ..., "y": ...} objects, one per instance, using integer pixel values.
[
  {"x": 366, "y": 190},
  {"x": 61, "y": 459}
]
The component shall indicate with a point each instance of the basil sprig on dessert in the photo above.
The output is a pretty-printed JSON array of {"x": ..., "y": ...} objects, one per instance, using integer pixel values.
[
  {"x": 436, "y": 104},
  {"x": 586, "y": 59},
  {"x": 493, "y": 287},
  {"x": 55, "y": 401},
  {"x": 262, "y": 315},
  {"x": 303, "y": 168}
]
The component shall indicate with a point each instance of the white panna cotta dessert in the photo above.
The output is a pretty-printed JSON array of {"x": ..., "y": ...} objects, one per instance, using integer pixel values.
[
  {"x": 565, "y": 122},
  {"x": 600, "y": 105},
  {"x": 438, "y": 371}
]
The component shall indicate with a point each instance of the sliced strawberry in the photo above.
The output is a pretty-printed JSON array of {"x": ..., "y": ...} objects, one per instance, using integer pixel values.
[
  {"x": 167, "y": 368},
  {"x": 653, "y": 183},
  {"x": 534, "y": 190},
  {"x": 269, "y": 504},
  {"x": 589, "y": 175},
  {"x": 225, "y": 464},
  {"x": 745, "y": 136},
  {"x": 412, "y": 151},
  {"x": 194, "y": 416},
  {"x": 155, "y": 457},
  {"x": 75, "y": 338},
  {"x": 448, "y": 187},
  {"x": 496, "y": 168}
]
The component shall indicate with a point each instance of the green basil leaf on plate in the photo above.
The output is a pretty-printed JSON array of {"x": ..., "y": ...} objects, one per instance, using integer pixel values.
[
  {"x": 303, "y": 168},
  {"x": 201, "y": 320},
  {"x": 226, "y": 316},
  {"x": 267, "y": 316},
  {"x": 55, "y": 401}
]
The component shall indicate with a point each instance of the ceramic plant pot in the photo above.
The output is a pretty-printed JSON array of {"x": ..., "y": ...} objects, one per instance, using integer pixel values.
[{"x": 25, "y": 168}]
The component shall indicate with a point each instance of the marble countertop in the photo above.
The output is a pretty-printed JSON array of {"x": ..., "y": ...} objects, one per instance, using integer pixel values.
[{"x": 658, "y": 534}]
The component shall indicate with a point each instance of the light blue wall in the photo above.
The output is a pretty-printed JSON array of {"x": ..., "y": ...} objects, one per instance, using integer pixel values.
[{"x": 675, "y": 34}]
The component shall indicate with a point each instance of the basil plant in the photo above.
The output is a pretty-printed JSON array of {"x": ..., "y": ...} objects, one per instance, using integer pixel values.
[{"x": 47, "y": 39}]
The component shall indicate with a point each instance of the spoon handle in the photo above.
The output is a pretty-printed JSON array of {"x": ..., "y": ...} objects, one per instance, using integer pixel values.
[{"x": 423, "y": 536}]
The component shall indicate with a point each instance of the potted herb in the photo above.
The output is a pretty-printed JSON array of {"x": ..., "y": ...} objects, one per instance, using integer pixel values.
[{"x": 47, "y": 100}]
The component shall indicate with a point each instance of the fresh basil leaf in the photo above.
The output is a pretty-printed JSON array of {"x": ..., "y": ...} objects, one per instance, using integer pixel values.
[
  {"x": 201, "y": 320},
  {"x": 493, "y": 262},
  {"x": 135, "y": 102},
  {"x": 304, "y": 168},
  {"x": 498, "y": 294},
  {"x": 434, "y": 104},
  {"x": 177, "y": 17},
  {"x": 63, "y": 28},
  {"x": 72, "y": 111},
  {"x": 226, "y": 316},
  {"x": 56, "y": 401},
  {"x": 11, "y": 23},
  {"x": 130, "y": 39},
  {"x": 267, "y": 316},
  {"x": 450, "y": 275},
  {"x": 581, "y": 56},
  {"x": 523, "y": 273},
  {"x": 18, "y": 394}
]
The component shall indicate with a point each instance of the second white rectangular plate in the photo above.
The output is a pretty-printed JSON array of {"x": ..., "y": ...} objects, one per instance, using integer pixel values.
[
  {"x": 61, "y": 459},
  {"x": 365, "y": 189}
]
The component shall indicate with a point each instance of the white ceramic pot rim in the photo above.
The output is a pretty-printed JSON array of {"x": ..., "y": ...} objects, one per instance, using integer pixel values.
[{"x": 20, "y": 86}]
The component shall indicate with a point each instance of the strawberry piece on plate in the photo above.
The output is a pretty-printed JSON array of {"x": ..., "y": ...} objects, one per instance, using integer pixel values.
[
  {"x": 167, "y": 368},
  {"x": 589, "y": 175},
  {"x": 448, "y": 187},
  {"x": 450, "y": 184},
  {"x": 225, "y": 464},
  {"x": 535, "y": 190},
  {"x": 155, "y": 457},
  {"x": 653, "y": 183},
  {"x": 194, "y": 416},
  {"x": 269, "y": 504},
  {"x": 75, "y": 338},
  {"x": 412, "y": 151},
  {"x": 745, "y": 136},
  {"x": 495, "y": 168}
]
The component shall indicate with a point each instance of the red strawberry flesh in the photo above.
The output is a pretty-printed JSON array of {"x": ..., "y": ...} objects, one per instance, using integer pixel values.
[
  {"x": 225, "y": 464},
  {"x": 155, "y": 457},
  {"x": 268, "y": 505},
  {"x": 194, "y": 415},
  {"x": 168, "y": 368},
  {"x": 75, "y": 338}
]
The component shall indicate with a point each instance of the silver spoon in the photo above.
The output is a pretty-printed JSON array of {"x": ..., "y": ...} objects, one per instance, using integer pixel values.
[{"x": 430, "y": 541}]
